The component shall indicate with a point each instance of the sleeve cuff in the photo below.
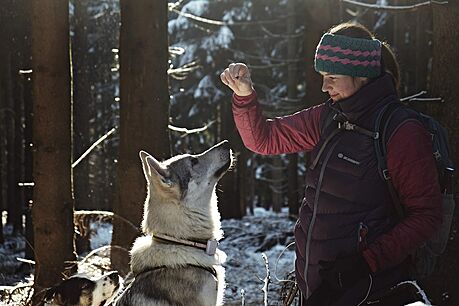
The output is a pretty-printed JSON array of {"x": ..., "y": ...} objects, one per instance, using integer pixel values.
[{"x": 244, "y": 100}]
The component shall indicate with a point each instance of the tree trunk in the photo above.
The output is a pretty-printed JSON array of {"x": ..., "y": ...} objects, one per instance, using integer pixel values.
[
  {"x": 318, "y": 19},
  {"x": 292, "y": 92},
  {"x": 11, "y": 190},
  {"x": 278, "y": 181},
  {"x": 4, "y": 38},
  {"x": 82, "y": 98},
  {"x": 231, "y": 195},
  {"x": 144, "y": 114},
  {"x": 53, "y": 204},
  {"x": 445, "y": 80}
]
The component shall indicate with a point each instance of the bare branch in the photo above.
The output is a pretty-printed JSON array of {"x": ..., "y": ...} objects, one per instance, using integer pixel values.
[
  {"x": 393, "y": 8},
  {"x": 266, "y": 280},
  {"x": 427, "y": 100},
  {"x": 267, "y": 66},
  {"x": 80, "y": 216},
  {"x": 283, "y": 60},
  {"x": 190, "y": 131},
  {"x": 298, "y": 33},
  {"x": 93, "y": 146},
  {"x": 423, "y": 92},
  {"x": 175, "y": 5},
  {"x": 180, "y": 73},
  {"x": 415, "y": 98},
  {"x": 103, "y": 248},
  {"x": 223, "y": 23}
]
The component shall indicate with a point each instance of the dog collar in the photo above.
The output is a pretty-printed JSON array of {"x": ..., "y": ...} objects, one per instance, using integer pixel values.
[{"x": 210, "y": 246}]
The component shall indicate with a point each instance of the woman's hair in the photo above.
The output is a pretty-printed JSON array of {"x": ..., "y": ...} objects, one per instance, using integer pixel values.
[{"x": 388, "y": 60}]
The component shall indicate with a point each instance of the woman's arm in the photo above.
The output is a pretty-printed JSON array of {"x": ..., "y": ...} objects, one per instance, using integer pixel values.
[
  {"x": 289, "y": 134},
  {"x": 414, "y": 175}
]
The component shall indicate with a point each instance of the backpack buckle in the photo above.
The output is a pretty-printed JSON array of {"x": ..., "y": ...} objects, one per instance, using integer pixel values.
[
  {"x": 437, "y": 155},
  {"x": 385, "y": 174},
  {"x": 211, "y": 247}
]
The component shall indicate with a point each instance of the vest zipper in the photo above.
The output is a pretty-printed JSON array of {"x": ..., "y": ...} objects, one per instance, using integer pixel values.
[{"x": 314, "y": 213}]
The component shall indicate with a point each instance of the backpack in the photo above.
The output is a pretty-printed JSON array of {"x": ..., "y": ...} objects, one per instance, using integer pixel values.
[{"x": 424, "y": 259}]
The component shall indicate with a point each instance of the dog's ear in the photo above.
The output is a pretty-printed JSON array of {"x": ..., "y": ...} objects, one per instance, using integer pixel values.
[{"x": 152, "y": 169}]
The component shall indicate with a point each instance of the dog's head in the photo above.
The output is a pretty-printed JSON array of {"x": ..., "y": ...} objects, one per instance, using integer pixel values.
[
  {"x": 82, "y": 291},
  {"x": 181, "y": 189}
]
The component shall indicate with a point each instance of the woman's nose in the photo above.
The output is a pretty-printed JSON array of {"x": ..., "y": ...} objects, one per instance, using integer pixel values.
[{"x": 325, "y": 86}]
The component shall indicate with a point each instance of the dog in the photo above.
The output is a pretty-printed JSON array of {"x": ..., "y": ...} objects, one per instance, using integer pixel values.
[
  {"x": 176, "y": 261},
  {"x": 83, "y": 291}
]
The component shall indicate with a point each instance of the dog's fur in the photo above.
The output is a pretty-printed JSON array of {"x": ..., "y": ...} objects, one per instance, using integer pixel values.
[
  {"x": 181, "y": 202},
  {"x": 83, "y": 291}
]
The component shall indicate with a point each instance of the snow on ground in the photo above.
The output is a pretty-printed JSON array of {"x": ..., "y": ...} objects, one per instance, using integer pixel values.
[{"x": 245, "y": 241}]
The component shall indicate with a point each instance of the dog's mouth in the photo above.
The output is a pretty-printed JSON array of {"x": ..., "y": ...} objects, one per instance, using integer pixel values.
[{"x": 223, "y": 169}]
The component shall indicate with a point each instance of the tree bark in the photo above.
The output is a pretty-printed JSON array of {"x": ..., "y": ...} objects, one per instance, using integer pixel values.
[
  {"x": 318, "y": 19},
  {"x": 53, "y": 204},
  {"x": 292, "y": 92},
  {"x": 445, "y": 80},
  {"x": 82, "y": 99},
  {"x": 144, "y": 114},
  {"x": 231, "y": 195}
]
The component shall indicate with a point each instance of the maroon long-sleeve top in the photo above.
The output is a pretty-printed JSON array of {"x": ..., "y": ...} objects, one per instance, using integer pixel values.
[{"x": 409, "y": 160}]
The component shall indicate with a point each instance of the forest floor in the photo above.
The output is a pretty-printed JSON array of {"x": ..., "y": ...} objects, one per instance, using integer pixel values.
[{"x": 245, "y": 241}]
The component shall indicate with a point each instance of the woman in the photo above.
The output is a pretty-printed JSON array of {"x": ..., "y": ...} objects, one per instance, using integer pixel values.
[{"x": 350, "y": 244}]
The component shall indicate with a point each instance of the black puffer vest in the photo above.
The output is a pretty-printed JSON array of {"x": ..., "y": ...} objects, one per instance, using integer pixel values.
[{"x": 345, "y": 196}]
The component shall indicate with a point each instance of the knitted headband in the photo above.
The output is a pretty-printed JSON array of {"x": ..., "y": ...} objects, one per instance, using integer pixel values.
[{"x": 357, "y": 57}]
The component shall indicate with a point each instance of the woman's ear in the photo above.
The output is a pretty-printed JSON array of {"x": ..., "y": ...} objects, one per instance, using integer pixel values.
[{"x": 361, "y": 81}]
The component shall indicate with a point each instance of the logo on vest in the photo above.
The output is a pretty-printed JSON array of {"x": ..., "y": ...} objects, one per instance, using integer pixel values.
[{"x": 346, "y": 158}]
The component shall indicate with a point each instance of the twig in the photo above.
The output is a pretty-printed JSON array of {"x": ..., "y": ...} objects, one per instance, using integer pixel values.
[
  {"x": 267, "y": 66},
  {"x": 274, "y": 35},
  {"x": 106, "y": 247},
  {"x": 93, "y": 146},
  {"x": 415, "y": 97},
  {"x": 427, "y": 100},
  {"x": 265, "y": 58},
  {"x": 277, "y": 263},
  {"x": 190, "y": 131},
  {"x": 394, "y": 8},
  {"x": 107, "y": 214},
  {"x": 266, "y": 280},
  {"x": 175, "y": 4},
  {"x": 223, "y": 23},
  {"x": 423, "y": 92},
  {"x": 180, "y": 73}
]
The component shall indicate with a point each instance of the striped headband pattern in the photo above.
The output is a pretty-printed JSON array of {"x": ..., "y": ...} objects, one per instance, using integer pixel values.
[{"x": 357, "y": 57}]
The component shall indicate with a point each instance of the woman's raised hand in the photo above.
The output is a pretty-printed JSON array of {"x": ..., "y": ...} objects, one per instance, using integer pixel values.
[{"x": 237, "y": 77}]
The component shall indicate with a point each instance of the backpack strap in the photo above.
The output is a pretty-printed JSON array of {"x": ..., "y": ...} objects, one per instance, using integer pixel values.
[
  {"x": 328, "y": 115},
  {"x": 381, "y": 124},
  {"x": 333, "y": 114}
]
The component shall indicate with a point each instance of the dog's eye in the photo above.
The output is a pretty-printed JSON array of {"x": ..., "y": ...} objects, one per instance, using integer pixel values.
[{"x": 194, "y": 161}]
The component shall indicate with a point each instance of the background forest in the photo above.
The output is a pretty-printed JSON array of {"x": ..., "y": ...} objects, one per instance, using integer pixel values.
[{"x": 100, "y": 117}]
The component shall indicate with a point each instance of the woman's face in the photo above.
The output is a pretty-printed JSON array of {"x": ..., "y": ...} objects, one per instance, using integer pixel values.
[{"x": 340, "y": 87}]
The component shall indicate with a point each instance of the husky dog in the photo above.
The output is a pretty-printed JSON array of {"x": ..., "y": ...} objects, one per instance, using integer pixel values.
[
  {"x": 83, "y": 291},
  {"x": 176, "y": 261}
]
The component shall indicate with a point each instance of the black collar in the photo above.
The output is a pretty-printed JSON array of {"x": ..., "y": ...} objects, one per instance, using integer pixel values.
[
  {"x": 367, "y": 99},
  {"x": 209, "y": 246}
]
